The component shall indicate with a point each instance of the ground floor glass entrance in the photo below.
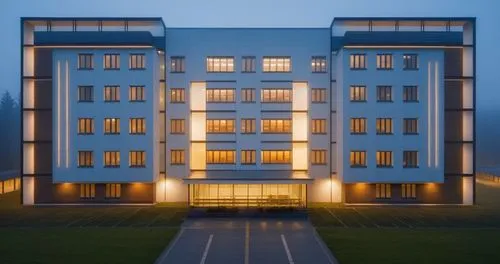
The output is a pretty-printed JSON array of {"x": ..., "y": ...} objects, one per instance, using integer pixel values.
[{"x": 247, "y": 195}]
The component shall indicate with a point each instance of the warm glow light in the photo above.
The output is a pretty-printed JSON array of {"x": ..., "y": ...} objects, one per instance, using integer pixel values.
[
  {"x": 300, "y": 158},
  {"x": 198, "y": 96},
  {"x": 198, "y": 158},
  {"x": 28, "y": 190},
  {"x": 467, "y": 191}
]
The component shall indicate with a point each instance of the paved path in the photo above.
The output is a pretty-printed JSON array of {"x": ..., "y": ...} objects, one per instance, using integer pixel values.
[{"x": 245, "y": 241}]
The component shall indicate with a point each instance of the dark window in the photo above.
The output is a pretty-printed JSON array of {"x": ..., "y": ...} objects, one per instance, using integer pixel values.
[
  {"x": 410, "y": 126},
  {"x": 137, "y": 126},
  {"x": 358, "y": 93},
  {"x": 85, "y": 159},
  {"x": 177, "y": 157},
  {"x": 85, "y": 61},
  {"x": 248, "y": 95},
  {"x": 384, "y": 126},
  {"x": 318, "y": 64},
  {"x": 410, "y": 93},
  {"x": 137, "y": 61},
  {"x": 410, "y": 62},
  {"x": 384, "y": 62},
  {"x": 111, "y": 61},
  {"x": 111, "y": 93},
  {"x": 248, "y": 157},
  {"x": 248, "y": 64},
  {"x": 358, "y": 62},
  {"x": 85, "y": 126},
  {"x": 384, "y": 93},
  {"x": 410, "y": 159},
  {"x": 136, "y": 94},
  {"x": 177, "y": 95},
  {"x": 358, "y": 126},
  {"x": 318, "y": 95},
  {"x": 111, "y": 126},
  {"x": 383, "y": 191},
  {"x": 177, "y": 64},
  {"x": 86, "y": 93},
  {"x": 318, "y": 157},
  {"x": 137, "y": 159},
  {"x": 384, "y": 159},
  {"x": 358, "y": 159}
]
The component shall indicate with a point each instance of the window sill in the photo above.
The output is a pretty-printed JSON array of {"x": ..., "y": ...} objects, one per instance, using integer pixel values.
[
  {"x": 319, "y": 72},
  {"x": 276, "y": 71},
  {"x": 86, "y": 198},
  {"x": 137, "y": 166},
  {"x": 220, "y": 72},
  {"x": 137, "y": 134},
  {"x": 111, "y": 102},
  {"x": 248, "y": 102},
  {"x": 359, "y": 134},
  {"x": 177, "y": 133},
  {"x": 410, "y": 69},
  {"x": 112, "y": 198},
  {"x": 85, "y": 102},
  {"x": 248, "y": 72},
  {"x": 385, "y": 101},
  {"x": 231, "y": 102},
  {"x": 358, "y": 101},
  {"x": 177, "y": 164},
  {"x": 410, "y": 167},
  {"x": 358, "y": 167},
  {"x": 85, "y": 134},
  {"x": 111, "y": 134},
  {"x": 85, "y": 167},
  {"x": 384, "y": 167},
  {"x": 358, "y": 69},
  {"x": 137, "y": 101},
  {"x": 111, "y": 69},
  {"x": 385, "y": 134},
  {"x": 249, "y": 133},
  {"x": 178, "y": 102},
  {"x": 85, "y": 69},
  {"x": 276, "y": 102},
  {"x": 318, "y": 164},
  {"x": 412, "y": 101},
  {"x": 111, "y": 166},
  {"x": 410, "y": 134},
  {"x": 177, "y": 72},
  {"x": 322, "y": 102},
  {"x": 248, "y": 164},
  {"x": 385, "y": 69},
  {"x": 136, "y": 69}
]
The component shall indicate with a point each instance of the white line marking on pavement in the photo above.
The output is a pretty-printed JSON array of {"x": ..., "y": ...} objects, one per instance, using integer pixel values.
[
  {"x": 322, "y": 245},
  {"x": 288, "y": 254},
  {"x": 205, "y": 253},
  {"x": 164, "y": 256},
  {"x": 247, "y": 243},
  {"x": 332, "y": 214}
]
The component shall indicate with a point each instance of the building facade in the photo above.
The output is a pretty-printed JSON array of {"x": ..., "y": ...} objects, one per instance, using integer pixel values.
[{"x": 374, "y": 110}]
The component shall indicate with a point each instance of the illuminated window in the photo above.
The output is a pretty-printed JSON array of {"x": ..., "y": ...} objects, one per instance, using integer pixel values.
[
  {"x": 280, "y": 126},
  {"x": 358, "y": 93},
  {"x": 137, "y": 62},
  {"x": 111, "y": 159},
  {"x": 177, "y": 95},
  {"x": 113, "y": 191},
  {"x": 383, "y": 191},
  {"x": 318, "y": 157},
  {"x": 248, "y": 157},
  {"x": 275, "y": 156},
  {"x": 384, "y": 93},
  {"x": 357, "y": 61},
  {"x": 318, "y": 95},
  {"x": 177, "y": 64},
  {"x": 177, "y": 126},
  {"x": 86, "y": 93},
  {"x": 358, "y": 126},
  {"x": 248, "y": 95},
  {"x": 384, "y": 62},
  {"x": 318, "y": 126},
  {"x": 220, "y": 64},
  {"x": 408, "y": 191},
  {"x": 137, "y": 126},
  {"x": 318, "y": 64},
  {"x": 177, "y": 157},
  {"x": 277, "y": 64},
  {"x": 384, "y": 159},
  {"x": 85, "y": 61},
  {"x": 137, "y": 159},
  {"x": 247, "y": 126},
  {"x": 384, "y": 126},
  {"x": 85, "y": 126},
  {"x": 111, "y": 61},
  {"x": 220, "y": 126},
  {"x": 221, "y": 156},
  {"x": 358, "y": 159},
  {"x": 111, "y": 93},
  {"x": 276, "y": 96},
  {"x": 87, "y": 191},
  {"x": 85, "y": 159},
  {"x": 136, "y": 94},
  {"x": 410, "y": 126},
  {"x": 220, "y": 96},
  {"x": 410, "y": 94},
  {"x": 248, "y": 64},
  {"x": 410, "y": 159},
  {"x": 410, "y": 62},
  {"x": 111, "y": 126}
]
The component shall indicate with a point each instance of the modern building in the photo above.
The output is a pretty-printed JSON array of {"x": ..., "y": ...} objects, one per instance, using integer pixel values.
[{"x": 367, "y": 110}]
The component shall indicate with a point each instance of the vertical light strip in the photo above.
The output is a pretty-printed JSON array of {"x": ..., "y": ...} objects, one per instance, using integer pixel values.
[
  {"x": 429, "y": 114},
  {"x": 436, "y": 114},
  {"x": 67, "y": 115},
  {"x": 58, "y": 131}
]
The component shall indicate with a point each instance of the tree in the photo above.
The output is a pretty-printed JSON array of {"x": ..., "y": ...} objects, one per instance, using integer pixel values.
[{"x": 10, "y": 132}]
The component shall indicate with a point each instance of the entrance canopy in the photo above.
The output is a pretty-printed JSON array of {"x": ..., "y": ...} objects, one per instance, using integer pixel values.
[{"x": 248, "y": 177}]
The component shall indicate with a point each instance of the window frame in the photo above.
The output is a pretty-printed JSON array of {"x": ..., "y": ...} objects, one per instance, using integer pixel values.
[
  {"x": 381, "y": 124},
  {"x": 410, "y": 156},
  {"x": 88, "y": 126},
  {"x": 226, "y": 128},
  {"x": 382, "y": 94},
  {"x": 181, "y": 95},
  {"x": 406, "y": 125},
  {"x": 113, "y": 191},
  {"x": 248, "y": 92},
  {"x": 244, "y": 125},
  {"x": 211, "y": 159},
  {"x": 319, "y": 126},
  {"x": 318, "y": 96},
  {"x": 177, "y": 157},
  {"x": 322, "y": 67},
  {"x": 318, "y": 157},
  {"x": 358, "y": 159},
  {"x": 413, "y": 91},
  {"x": 114, "y": 158},
  {"x": 136, "y": 89},
  {"x": 245, "y": 64},
  {"x": 358, "y": 93},
  {"x": 274, "y": 69},
  {"x": 114, "y": 93},
  {"x": 114, "y": 61},
  {"x": 358, "y": 122},
  {"x": 248, "y": 157},
  {"x": 140, "y": 126},
  {"x": 139, "y": 59},
  {"x": 281, "y": 126},
  {"x": 384, "y": 159},
  {"x": 85, "y": 90},
  {"x": 114, "y": 129},
  {"x": 281, "y": 95},
  {"x": 87, "y": 191},
  {"x": 266, "y": 156},
  {"x": 177, "y": 64},
  {"x": 87, "y": 161},
  {"x": 213, "y": 93},
  {"x": 385, "y": 62},
  {"x": 84, "y": 64},
  {"x": 139, "y": 161},
  {"x": 413, "y": 61},
  {"x": 383, "y": 191},
  {"x": 210, "y": 63},
  {"x": 408, "y": 191},
  {"x": 355, "y": 62},
  {"x": 174, "y": 123}
]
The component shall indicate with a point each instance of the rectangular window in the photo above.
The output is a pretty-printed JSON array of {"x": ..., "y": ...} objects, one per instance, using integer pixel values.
[
  {"x": 410, "y": 94},
  {"x": 410, "y": 126},
  {"x": 357, "y": 61},
  {"x": 318, "y": 64},
  {"x": 85, "y": 159},
  {"x": 221, "y": 157},
  {"x": 358, "y": 126},
  {"x": 383, "y": 191},
  {"x": 277, "y": 64},
  {"x": 318, "y": 95},
  {"x": 248, "y": 157},
  {"x": 220, "y": 95},
  {"x": 248, "y": 126},
  {"x": 275, "y": 156},
  {"x": 111, "y": 93},
  {"x": 220, "y": 126},
  {"x": 113, "y": 191},
  {"x": 318, "y": 157},
  {"x": 137, "y": 62},
  {"x": 248, "y": 95},
  {"x": 318, "y": 126},
  {"x": 276, "y": 95},
  {"x": 177, "y": 157},
  {"x": 177, "y": 126},
  {"x": 384, "y": 159},
  {"x": 358, "y": 93},
  {"x": 111, "y": 126},
  {"x": 137, "y": 126},
  {"x": 137, "y": 159},
  {"x": 87, "y": 191},
  {"x": 86, "y": 93},
  {"x": 410, "y": 62},
  {"x": 277, "y": 126},
  {"x": 384, "y": 62},
  {"x": 111, "y": 61},
  {"x": 177, "y": 64},
  {"x": 177, "y": 95},
  {"x": 248, "y": 64},
  {"x": 111, "y": 159},
  {"x": 85, "y": 126},
  {"x": 358, "y": 159},
  {"x": 410, "y": 159},
  {"x": 136, "y": 94},
  {"x": 384, "y": 126},
  {"x": 384, "y": 93},
  {"x": 409, "y": 191},
  {"x": 220, "y": 64},
  {"x": 85, "y": 61}
]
